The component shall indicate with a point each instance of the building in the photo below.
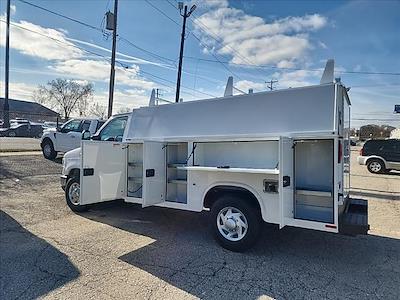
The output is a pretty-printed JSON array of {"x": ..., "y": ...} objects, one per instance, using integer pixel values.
[
  {"x": 31, "y": 111},
  {"x": 395, "y": 133}
]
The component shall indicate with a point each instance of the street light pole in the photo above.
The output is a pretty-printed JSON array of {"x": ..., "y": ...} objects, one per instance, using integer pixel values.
[
  {"x": 185, "y": 15},
  {"x": 112, "y": 72},
  {"x": 6, "y": 107}
]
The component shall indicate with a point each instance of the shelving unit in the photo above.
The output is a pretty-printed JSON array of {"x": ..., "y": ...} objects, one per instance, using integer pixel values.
[
  {"x": 135, "y": 170},
  {"x": 176, "y": 155}
]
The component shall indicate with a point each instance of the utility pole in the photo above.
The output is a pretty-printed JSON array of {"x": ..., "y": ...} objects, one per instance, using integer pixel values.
[
  {"x": 271, "y": 82},
  {"x": 114, "y": 46},
  {"x": 6, "y": 107},
  {"x": 185, "y": 15}
]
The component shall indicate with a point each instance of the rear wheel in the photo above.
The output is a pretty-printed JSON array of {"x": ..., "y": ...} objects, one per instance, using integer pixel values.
[
  {"x": 48, "y": 150},
  {"x": 236, "y": 223},
  {"x": 376, "y": 166},
  {"x": 12, "y": 134},
  {"x": 72, "y": 195}
]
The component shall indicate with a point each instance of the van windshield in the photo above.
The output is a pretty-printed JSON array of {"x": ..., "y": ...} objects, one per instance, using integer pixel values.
[{"x": 114, "y": 130}]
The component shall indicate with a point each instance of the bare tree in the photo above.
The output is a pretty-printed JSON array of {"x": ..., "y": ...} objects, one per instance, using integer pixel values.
[
  {"x": 65, "y": 95},
  {"x": 124, "y": 109},
  {"x": 98, "y": 110}
]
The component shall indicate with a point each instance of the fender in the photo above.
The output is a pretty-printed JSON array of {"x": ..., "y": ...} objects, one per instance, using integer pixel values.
[{"x": 240, "y": 185}]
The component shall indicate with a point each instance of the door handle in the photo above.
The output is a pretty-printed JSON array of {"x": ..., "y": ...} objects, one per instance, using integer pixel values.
[
  {"x": 286, "y": 181},
  {"x": 88, "y": 172}
]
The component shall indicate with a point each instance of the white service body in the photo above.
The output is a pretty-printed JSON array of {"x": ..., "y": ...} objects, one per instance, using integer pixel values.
[{"x": 288, "y": 148}]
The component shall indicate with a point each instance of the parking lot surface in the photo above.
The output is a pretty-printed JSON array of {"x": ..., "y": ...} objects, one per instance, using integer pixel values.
[
  {"x": 8, "y": 144},
  {"x": 120, "y": 251}
]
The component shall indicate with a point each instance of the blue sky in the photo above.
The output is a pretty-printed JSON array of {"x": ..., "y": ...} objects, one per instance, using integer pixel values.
[{"x": 291, "y": 40}]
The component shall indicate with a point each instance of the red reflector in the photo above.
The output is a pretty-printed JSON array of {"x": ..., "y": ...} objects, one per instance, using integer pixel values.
[
  {"x": 330, "y": 226},
  {"x": 340, "y": 152}
]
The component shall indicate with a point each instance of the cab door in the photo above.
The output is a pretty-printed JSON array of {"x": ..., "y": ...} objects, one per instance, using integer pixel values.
[
  {"x": 286, "y": 180},
  {"x": 103, "y": 171},
  {"x": 154, "y": 166}
]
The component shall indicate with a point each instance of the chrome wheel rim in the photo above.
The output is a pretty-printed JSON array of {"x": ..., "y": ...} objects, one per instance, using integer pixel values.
[
  {"x": 232, "y": 224},
  {"x": 73, "y": 193},
  {"x": 375, "y": 167},
  {"x": 47, "y": 150},
  {"x": 12, "y": 134}
]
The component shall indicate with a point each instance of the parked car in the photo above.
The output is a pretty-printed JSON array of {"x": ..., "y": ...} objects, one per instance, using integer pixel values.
[
  {"x": 47, "y": 125},
  {"x": 67, "y": 137},
  {"x": 380, "y": 156},
  {"x": 19, "y": 121},
  {"x": 22, "y": 130}
]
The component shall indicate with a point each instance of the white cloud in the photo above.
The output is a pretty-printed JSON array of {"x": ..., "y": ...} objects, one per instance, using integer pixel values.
[
  {"x": 242, "y": 35},
  {"x": 245, "y": 85},
  {"x": 131, "y": 98},
  {"x": 18, "y": 90},
  {"x": 97, "y": 70},
  {"x": 13, "y": 9},
  {"x": 35, "y": 43}
]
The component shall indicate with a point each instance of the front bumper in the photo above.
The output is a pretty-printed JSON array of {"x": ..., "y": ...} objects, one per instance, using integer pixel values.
[{"x": 63, "y": 181}]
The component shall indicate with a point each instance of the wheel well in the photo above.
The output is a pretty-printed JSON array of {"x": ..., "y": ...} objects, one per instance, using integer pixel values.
[
  {"x": 74, "y": 173},
  {"x": 216, "y": 192},
  {"x": 375, "y": 158}
]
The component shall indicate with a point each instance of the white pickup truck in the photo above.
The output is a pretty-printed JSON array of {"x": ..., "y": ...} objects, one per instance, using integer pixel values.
[{"x": 67, "y": 137}]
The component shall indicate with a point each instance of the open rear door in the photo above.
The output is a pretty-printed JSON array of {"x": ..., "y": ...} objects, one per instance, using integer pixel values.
[
  {"x": 286, "y": 180},
  {"x": 103, "y": 171},
  {"x": 154, "y": 181}
]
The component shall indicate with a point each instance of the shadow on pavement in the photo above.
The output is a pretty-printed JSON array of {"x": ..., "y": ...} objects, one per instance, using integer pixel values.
[
  {"x": 30, "y": 267},
  {"x": 288, "y": 263}
]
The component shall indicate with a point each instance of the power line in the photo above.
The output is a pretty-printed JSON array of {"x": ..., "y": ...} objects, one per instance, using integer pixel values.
[
  {"x": 201, "y": 43},
  {"x": 124, "y": 67},
  {"x": 97, "y": 29},
  {"x": 161, "y": 12},
  {"x": 292, "y": 69},
  {"x": 62, "y": 16}
]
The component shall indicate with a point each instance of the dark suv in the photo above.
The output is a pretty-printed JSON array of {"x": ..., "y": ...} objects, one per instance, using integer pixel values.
[{"x": 380, "y": 156}]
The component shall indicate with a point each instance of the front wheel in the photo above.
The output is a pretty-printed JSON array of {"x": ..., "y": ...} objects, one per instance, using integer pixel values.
[
  {"x": 72, "y": 195},
  {"x": 236, "y": 223},
  {"x": 48, "y": 150}
]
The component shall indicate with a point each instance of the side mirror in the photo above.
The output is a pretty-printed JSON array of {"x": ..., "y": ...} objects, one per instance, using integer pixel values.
[{"x": 86, "y": 135}]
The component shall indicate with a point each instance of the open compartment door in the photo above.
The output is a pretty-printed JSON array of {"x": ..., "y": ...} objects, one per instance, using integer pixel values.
[
  {"x": 154, "y": 181},
  {"x": 286, "y": 180},
  {"x": 103, "y": 171}
]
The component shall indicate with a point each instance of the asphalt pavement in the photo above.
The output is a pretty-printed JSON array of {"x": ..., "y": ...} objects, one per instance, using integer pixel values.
[
  {"x": 120, "y": 251},
  {"x": 12, "y": 144}
]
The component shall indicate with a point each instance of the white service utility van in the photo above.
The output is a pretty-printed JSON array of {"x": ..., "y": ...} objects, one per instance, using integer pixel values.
[{"x": 280, "y": 157}]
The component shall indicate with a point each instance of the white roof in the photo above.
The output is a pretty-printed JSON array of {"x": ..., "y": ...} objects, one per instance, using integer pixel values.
[{"x": 282, "y": 112}]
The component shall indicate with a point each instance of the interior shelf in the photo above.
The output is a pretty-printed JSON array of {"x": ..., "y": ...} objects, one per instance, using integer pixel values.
[
  {"x": 135, "y": 179},
  {"x": 177, "y": 181},
  {"x": 233, "y": 170},
  {"x": 176, "y": 165},
  {"x": 313, "y": 193}
]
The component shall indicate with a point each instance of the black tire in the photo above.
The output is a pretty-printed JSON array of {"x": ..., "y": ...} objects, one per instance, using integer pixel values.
[
  {"x": 376, "y": 166},
  {"x": 12, "y": 134},
  {"x": 48, "y": 150},
  {"x": 73, "y": 204},
  {"x": 252, "y": 216}
]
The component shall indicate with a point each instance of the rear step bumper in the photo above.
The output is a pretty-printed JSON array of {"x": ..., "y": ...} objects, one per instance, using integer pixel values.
[{"x": 354, "y": 219}]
